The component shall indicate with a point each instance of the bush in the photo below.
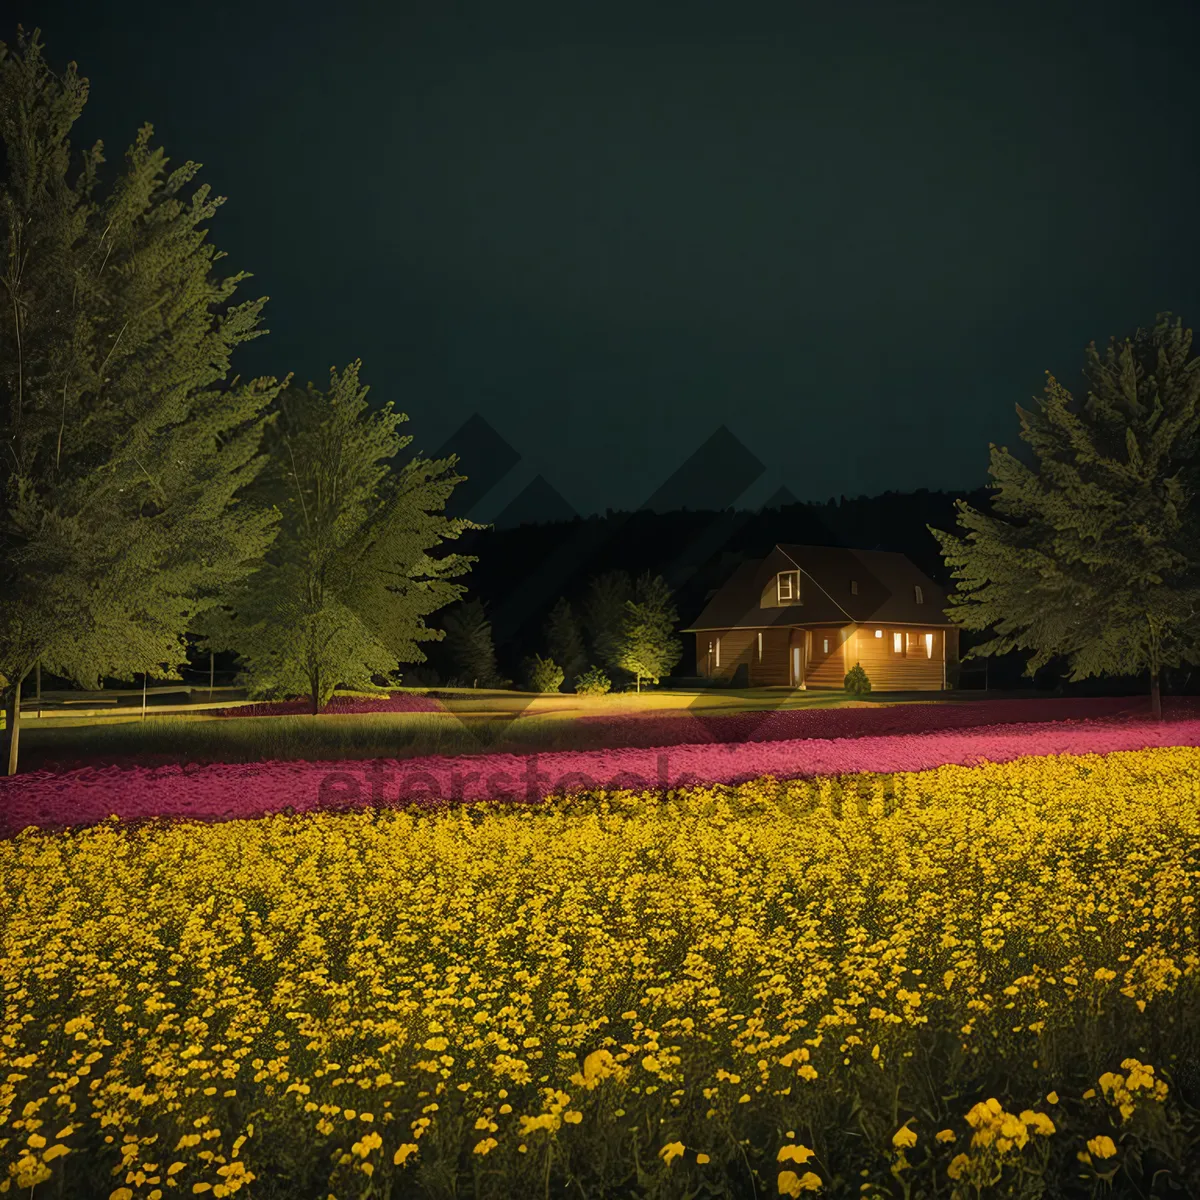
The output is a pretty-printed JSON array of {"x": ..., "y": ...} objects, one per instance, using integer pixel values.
[
  {"x": 856, "y": 682},
  {"x": 593, "y": 682},
  {"x": 543, "y": 674}
]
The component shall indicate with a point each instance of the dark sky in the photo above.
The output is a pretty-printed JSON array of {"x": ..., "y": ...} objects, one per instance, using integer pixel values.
[{"x": 856, "y": 234}]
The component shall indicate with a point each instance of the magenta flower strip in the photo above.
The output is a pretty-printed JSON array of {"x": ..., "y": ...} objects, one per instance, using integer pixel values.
[{"x": 249, "y": 790}]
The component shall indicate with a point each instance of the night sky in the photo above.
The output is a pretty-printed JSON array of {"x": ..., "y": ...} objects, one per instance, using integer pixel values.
[{"x": 854, "y": 234}]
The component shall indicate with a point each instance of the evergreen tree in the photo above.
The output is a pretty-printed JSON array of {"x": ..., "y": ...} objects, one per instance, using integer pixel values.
[
  {"x": 648, "y": 648},
  {"x": 1094, "y": 555},
  {"x": 542, "y": 674},
  {"x": 124, "y": 446},
  {"x": 564, "y": 642},
  {"x": 342, "y": 595},
  {"x": 604, "y": 613},
  {"x": 469, "y": 645}
]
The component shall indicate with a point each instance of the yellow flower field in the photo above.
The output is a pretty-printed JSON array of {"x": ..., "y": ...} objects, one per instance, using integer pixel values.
[{"x": 968, "y": 981}]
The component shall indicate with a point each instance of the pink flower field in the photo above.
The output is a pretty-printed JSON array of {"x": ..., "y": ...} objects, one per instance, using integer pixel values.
[{"x": 233, "y": 791}]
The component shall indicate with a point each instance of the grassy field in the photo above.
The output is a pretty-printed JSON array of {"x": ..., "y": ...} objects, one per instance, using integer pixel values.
[{"x": 474, "y": 721}]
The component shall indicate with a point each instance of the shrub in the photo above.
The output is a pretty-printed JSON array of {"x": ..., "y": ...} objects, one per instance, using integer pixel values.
[
  {"x": 856, "y": 682},
  {"x": 593, "y": 682},
  {"x": 543, "y": 674}
]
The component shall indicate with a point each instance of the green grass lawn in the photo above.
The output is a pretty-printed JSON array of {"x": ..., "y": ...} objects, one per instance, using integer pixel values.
[{"x": 475, "y": 721}]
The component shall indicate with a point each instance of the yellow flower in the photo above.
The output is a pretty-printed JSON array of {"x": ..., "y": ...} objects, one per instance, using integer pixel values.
[
  {"x": 670, "y": 1151},
  {"x": 791, "y": 1184},
  {"x": 484, "y": 1147},
  {"x": 904, "y": 1138},
  {"x": 796, "y": 1154},
  {"x": 1051, "y": 1097},
  {"x": 702, "y": 1159},
  {"x": 403, "y": 1154},
  {"x": 958, "y": 1164},
  {"x": 945, "y": 1135},
  {"x": 1038, "y": 1122},
  {"x": 1102, "y": 1146}
]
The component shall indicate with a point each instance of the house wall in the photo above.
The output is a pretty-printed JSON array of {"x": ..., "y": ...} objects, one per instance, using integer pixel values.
[
  {"x": 738, "y": 649},
  {"x": 773, "y": 670},
  {"x": 888, "y": 672},
  {"x": 827, "y": 671},
  {"x": 909, "y": 672}
]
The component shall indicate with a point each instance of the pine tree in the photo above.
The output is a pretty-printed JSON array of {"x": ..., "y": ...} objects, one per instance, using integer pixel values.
[
  {"x": 542, "y": 674},
  {"x": 342, "y": 595},
  {"x": 604, "y": 612},
  {"x": 1094, "y": 555},
  {"x": 124, "y": 446},
  {"x": 469, "y": 645},
  {"x": 564, "y": 642},
  {"x": 647, "y": 648}
]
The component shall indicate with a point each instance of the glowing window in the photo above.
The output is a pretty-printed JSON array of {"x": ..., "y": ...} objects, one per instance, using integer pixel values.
[
  {"x": 787, "y": 587},
  {"x": 760, "y": 646},
  {"x": 879, "y": 633},
  {"x": 826, "y": 649},
  {"x": 929, "y": 645},
  {"x": 718, "y": 652},
  {"x": 854, "y": 587},
  {"x": 898, "y": 643},
  {"x": 918, "y": 595}
]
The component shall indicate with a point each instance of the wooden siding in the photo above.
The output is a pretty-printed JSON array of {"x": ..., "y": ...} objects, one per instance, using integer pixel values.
[
  {"x": 912, "y": 671},
  {"x": 774, "y": 669},
  {"x": 826, "y": 670},
  {"x": 739, "y": 648}
]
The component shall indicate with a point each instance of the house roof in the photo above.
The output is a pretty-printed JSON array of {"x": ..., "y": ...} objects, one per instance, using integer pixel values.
[{"x": 886, "y": 582}]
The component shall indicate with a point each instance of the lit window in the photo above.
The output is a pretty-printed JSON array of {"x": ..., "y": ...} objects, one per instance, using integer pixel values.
[
  {"x": 929, "y": 645},
  {"x": 854, "y": 587},
  {"x": 918, "y": 594},
  {"x": 788, "y": 587},
  {"x": 718, "y": 652},
  {"x": 826, "y": 649},
  {"x": 879, "y": 633},
  {"x": 897, "y": 643},
  {"x": 760, "y": 646}
]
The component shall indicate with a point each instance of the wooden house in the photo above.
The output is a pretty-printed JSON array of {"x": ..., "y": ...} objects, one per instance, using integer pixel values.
[{"x": 804, "y": 615}]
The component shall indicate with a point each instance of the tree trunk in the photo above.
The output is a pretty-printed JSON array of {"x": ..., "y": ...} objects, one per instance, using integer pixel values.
[
  {"x": 314, "y": 682},
  {"x": 1155, "y": 696},
  {"x": 12, "y": 727}
]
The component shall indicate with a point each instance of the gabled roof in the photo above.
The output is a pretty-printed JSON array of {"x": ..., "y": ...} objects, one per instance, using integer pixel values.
[{"x": 886, "y": 582}]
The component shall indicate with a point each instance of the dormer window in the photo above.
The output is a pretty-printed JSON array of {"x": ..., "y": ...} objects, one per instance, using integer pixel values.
[
  {"x": 787, "y": 587},
  {"x": 918, "y": 595},
  {"x": 854, "y": 587}
]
